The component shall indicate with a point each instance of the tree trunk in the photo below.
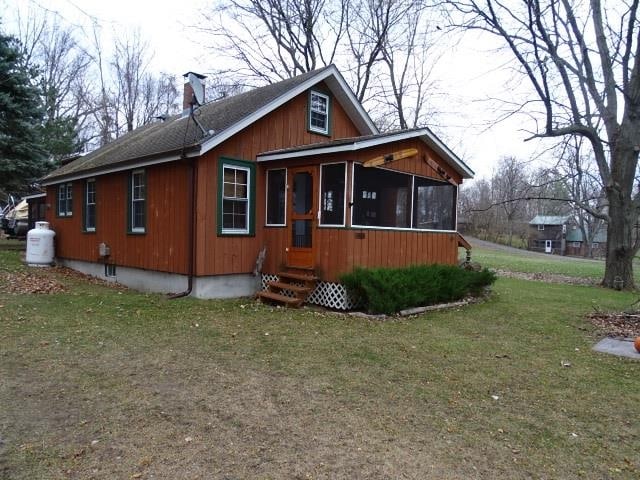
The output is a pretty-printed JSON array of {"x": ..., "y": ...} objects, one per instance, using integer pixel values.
[{"x": 618, "y": 271}]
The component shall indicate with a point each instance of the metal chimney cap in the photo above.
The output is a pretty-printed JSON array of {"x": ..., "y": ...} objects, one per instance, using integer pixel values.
[{"x": 199, "y": 75}]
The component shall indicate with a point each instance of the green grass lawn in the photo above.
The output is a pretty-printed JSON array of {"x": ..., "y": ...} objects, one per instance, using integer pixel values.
[
  {"x": 523, "y": 261},
  {"x": 101, "y": 383}
]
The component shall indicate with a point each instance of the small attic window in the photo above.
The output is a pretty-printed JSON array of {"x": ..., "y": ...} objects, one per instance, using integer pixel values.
[
  {"x": 319, "y": 112},
  {"x": 540, "y": 227}
]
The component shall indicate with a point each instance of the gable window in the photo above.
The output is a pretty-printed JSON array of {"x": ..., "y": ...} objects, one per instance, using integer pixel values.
[
  {"x": 65, "y": 200},
  {"x": 276, "y": 196},
  {"x": 90, "y": 205},
  {"x": 390, "y": 199},
  {"x": 319, "y": 112},
  {"x": 137, "y": 202},
  {"x": 236, "y": 197},
  {"x": 332, "y": 194}
]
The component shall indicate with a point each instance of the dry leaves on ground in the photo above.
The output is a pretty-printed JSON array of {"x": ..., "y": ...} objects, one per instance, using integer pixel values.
[
  {"x": 26, "y": 283},
  {"x": 617, "y": 324}
]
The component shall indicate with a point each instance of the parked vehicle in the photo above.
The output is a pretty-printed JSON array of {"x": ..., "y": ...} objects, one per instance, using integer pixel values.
[{"x": 15, "y": 221}]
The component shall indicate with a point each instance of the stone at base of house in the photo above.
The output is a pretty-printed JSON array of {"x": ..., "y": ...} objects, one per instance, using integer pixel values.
[
  {"x": 214, "y": 286},
  {"x": 326, "y": 294}
]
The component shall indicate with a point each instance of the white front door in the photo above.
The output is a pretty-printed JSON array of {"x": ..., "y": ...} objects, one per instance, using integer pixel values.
[{"x": 547, "y": 246}]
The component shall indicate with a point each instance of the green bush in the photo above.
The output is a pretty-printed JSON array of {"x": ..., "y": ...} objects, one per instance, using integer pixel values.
[{"x": 389, "y": 290}]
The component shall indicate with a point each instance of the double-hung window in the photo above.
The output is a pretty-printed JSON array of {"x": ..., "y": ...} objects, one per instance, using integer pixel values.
[
  {"x": 65, "y": 200},
  {"x": 235, "y": 214},
  {"x": 318, "y": 112},
  {"x": 138, "y": 202},
  {"x": 90, "y": 205}
]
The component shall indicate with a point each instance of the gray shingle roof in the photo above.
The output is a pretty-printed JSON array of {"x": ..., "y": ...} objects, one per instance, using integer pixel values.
[
  {"x": 177, "y": 132},
  {"x": 548, "y": 220},
  {"x": 365, "y": 141}
]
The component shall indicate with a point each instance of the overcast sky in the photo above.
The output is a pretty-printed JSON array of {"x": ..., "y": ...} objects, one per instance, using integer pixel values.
[{"x": 471, "y": 73}]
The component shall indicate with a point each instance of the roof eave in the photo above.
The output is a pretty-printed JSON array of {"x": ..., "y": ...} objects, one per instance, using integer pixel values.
[
  {"x": 148, "y": 160},
  {"x": 424, "y": 133}
]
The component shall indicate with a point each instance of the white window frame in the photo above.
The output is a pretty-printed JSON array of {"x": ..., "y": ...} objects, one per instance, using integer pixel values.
[
  {"x": 402, "y": 229},
  {"x": 135, "y": 229},
  {"x": 266, "y": 198},
  {"x": 65, "y": 197},
  {"x": 246, "y": 230},
  {"x": 325, "y": 130},
  {"x": 540, "y": 228},
  {"x": 86, "y": 204},
  {"x": 344, "y": 203}
]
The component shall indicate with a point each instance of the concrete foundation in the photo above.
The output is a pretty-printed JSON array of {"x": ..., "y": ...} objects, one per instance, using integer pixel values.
[{"x": 214, "y": 286}]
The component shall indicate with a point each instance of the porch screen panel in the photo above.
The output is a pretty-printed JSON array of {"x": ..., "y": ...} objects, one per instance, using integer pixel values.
[
  {"x": 332, "y": 194},
  {"x": 381, "y": 198},
  {"x": 302, "y": 198},
  {"x": 276, "y": 193},
  {"x": 434, "y": 205}
]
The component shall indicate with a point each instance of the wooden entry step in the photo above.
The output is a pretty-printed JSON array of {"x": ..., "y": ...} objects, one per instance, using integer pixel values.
[{"x": 298, "y": 282}]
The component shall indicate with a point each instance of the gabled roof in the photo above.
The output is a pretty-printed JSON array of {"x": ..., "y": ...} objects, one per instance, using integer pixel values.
[
  {"x": 575, "y": 235},
  {"x": 178, "y": 136},
  {"x": 367, "y": 141},
  {"x": 549, "y": 220}
]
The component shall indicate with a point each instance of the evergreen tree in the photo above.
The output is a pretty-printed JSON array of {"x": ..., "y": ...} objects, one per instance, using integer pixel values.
[{"x": 22, "y": 155}]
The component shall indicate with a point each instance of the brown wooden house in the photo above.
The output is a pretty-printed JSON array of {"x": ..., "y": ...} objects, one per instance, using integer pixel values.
[
  {"x": 295, "y": 169},
  {"x": 547, "y": 233}
]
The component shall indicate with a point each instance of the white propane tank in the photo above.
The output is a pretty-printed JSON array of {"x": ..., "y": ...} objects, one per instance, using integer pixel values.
[{"x": 40, "y": 245}]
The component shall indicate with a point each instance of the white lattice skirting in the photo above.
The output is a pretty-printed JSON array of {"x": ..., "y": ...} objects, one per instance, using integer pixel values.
[{"x": 326, "y": 294}]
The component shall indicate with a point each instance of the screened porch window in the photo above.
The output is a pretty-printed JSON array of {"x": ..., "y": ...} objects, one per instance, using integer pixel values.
[
  {"x": 381, "y": 198},
  {"x": 332, "y": 194},
  {"x": 276, "y": 196},
  {"x": 434, "y": 205},
  {"x": 389, "y": 199}
]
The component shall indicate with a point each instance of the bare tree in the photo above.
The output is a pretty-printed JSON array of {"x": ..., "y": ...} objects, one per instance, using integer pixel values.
[
  {"x": 130, "y": 63},
  {"x": 409, "y": 58},
  {"x": 63, "y": 67},
  {"x": 270, "y": 40},
  {"x": 510, "y": 181},
  {"x": 583, "y": 186},
  {"x": 381, "y": 45},
  {"x": 583, "y": 63}
]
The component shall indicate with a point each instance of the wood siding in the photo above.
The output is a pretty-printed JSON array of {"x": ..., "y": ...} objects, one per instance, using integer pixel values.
[
  {"x": 284, "y": 127},
  {"x": 162, "y": 247},
  {"x": 342, "y": 249},
  {"x": 338, "y": 250},
  {"x": 165, "y": 244}
]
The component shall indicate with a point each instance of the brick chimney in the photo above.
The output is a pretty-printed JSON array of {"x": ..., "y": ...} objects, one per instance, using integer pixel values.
[{"x": 189, "y": 97}]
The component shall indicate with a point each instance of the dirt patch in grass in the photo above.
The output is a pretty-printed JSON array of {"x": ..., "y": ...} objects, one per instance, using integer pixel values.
[
  {"x": 47, "y": 280},
  {"x": 547, "y": 277},
  {"x": 617, "y": 324}
]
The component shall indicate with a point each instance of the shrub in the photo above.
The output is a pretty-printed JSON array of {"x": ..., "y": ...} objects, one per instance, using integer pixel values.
[{"x": 389, "y": 290}]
